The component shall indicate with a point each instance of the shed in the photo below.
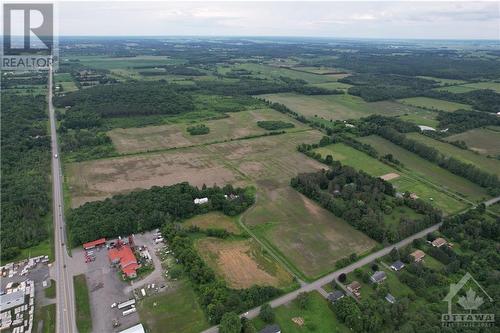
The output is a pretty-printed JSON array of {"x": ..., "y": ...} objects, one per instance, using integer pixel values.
[
  {"x": 389, "y": 298},
  {"x": 95, "y": 243}
]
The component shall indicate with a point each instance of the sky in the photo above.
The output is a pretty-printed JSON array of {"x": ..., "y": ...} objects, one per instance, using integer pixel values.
[{"x": 355, "y": 19}]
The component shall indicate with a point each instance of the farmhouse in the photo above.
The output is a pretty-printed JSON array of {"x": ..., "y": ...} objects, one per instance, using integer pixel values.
[
  {"x": 335, "y": 296},
  {"x": 418, "y": 255},
  {"x": 398, "y": 265},
  {"x": 354, "y": 288},
  {"x": 123, "y": 256},
  {"x": 438, "y": 242},
  {"x": 378, "y": 277}
]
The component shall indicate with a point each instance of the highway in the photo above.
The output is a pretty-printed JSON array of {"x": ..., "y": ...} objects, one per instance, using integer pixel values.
[
  {"x": 316, "y": 285},
  {"x": 65, "y": 322}
]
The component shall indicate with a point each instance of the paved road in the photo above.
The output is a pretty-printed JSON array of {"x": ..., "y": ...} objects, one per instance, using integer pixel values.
[
  {"x": 316, "y": 285},
  {"x": 65, "y": 322}
]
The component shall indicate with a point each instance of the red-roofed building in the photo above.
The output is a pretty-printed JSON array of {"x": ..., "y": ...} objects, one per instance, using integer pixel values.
[
  {"x": 124, "y": 257},
  {"x": 97, "y": 242}
]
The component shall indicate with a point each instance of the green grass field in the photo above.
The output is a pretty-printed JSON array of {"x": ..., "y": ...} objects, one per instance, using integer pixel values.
[
  {"x": 308, "y": 237},
  {"x": 486, "y": 164},
  {"x": 338, "y": 107},
  {"x": 482, "y": 140},
  {"x": 428, "y": 171},
  {"x": 456, "y": 89},
  {"x": 214, "y": 220},
  {"x": 45, "y": 319},
  {"x": 483, "y": 85},
  {"x": 50, "y": 292},
  {"x": 176, "y": 310},
  {"x": 318, "y": 317},
  {"x": 405, "y": 182},
  {"x": 100, "y": 62},
  {"x": 332, "y": 85},
  {"x": 83, "y": 318},
  {"x": 435, "y": 104},
  {"x": 423, "y": 117}
]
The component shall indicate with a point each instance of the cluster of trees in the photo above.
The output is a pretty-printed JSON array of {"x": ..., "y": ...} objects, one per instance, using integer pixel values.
[
  {"x": 215, "y": 296},
  {"x": 378, "y": 87},
  {"x": 84, "y": 144},
  {"x": 200, "y": 129},
  {"x": 363, "y": 201},
  {"x": 466, "y": 170},
  {"x": 273, "y": 125},
  {"x": 148, "y": 209},
  {"x": 25, "y": 160},
  {"x": 371, "y": 124},
  {"x": 127, "y": 99},
  {"x": 484, "y": 99},
  {"x": 461, "y": 120}
]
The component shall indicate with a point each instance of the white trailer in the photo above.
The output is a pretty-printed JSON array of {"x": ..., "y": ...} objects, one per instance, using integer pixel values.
[
  {"x": 143, "y": 292},
  {"x": 127, "y": 303},
  {"x": 129, "y": 311}
]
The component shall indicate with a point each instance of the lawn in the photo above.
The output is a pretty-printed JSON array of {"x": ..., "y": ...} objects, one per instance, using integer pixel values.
[
  {"x": 235, "y": 126},
  {"x": 338, "y": 107},
  {"x": 318, "y": 317},
  {"x": 434, "y": 104},
  {"x": 405, "y": 182},
  {"x": 482, "y": 140},
  {"x": 83, "y": 318},
  {"x": 175, "y": 310},
  {"x": 242, "y": 263},
  {"x": 50, "y": 292},
  {"x": 428, "y": 171},
  {"x": 214, "y": 220},
  {"x": 45, "y": 319},
  {"x": 486, "y": 164},
  {"x": 308, "y": 237}
]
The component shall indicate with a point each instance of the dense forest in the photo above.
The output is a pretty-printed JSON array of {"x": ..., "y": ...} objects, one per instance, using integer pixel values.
[
  {"x": 148, "y": 209},
  {"x": 126, "y": 99},
  {"x": 483, "y": 99},
  {"x": 25, "y": 159},
  {"x": 461, "y": 121},
  {"x": 363, "y": 201}
]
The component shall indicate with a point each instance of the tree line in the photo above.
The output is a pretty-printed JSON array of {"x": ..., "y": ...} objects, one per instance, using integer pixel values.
[{"x": 25, "y": 185}]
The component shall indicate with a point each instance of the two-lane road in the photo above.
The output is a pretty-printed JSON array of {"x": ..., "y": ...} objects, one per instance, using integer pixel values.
[{"x": 65, "y": 322}]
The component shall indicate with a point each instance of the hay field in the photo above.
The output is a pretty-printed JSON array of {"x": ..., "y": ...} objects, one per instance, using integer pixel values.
[
  {"x": 434, "y": 104},
  {"x": 338, "y": 107},
  {"x": 310, "y": 238},
  {"x": 485, "y": 141},
  {"x": 214, "y": 220},
  {"x": 242, "y": 263},
  {"x": 236, "y": 125}
]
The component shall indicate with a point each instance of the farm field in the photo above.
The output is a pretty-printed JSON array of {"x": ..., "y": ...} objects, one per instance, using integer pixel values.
[
  {"x": 214, "y": 220},
  {"x": 487, "y": 164},
  {"x": 318, "y": 70},
  {"x": 482, "y": 140},
  {"x": 236, "y": 125},
  {"x": 66, "y": 82},
  {"x": 332, "y": 85},
  {"x": 236, "y": 162},
  {"x": 175, "y": 310},
  {"x": 436, "y": 104},
  {"x": 361, "y": 161},
  {"x": 272, "y": 72},
  {"x": 443, "y": 81},
  {"x": 483, "y": 85},
  {"x": 309, "y": 237},
  {"x": 427, "y": 170},
  {"x": 242, "y": 263},
  {"x": 423, "y": 117},
  {"x": 456, "y": 89},
  {"x": 338, "y": 107},
  {"x": 318, "y": 317},
  {"x": 100, "y": 62}
]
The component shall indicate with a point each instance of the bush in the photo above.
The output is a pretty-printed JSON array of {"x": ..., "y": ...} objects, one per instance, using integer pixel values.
[
  {"x": 266, "y": 313},
  {"x": 198, "y": 129},
  {"x": 230, "y": 323}
]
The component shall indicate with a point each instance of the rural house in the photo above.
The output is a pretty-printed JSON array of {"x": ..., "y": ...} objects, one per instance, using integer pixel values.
[
  {"x": 271, "y": 329},
  {"x": 378, "y": 277},
  {"x": 418, "y": 255},
  {"x": 354, "y": 288},
  {"x": 398, "y": 265},
  {"x": 124, "y": 257},
  {"x": 335, "y": 296},
  {"x": 438, "y": 242}
]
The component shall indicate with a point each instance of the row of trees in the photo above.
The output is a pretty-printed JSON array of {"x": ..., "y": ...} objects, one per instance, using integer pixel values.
[
  {"x": 144, "y": 210},
  {"x": 466, "y": 170},
  {"x": 363, "y": 201},
  {"x": 25, "y": 160}
]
